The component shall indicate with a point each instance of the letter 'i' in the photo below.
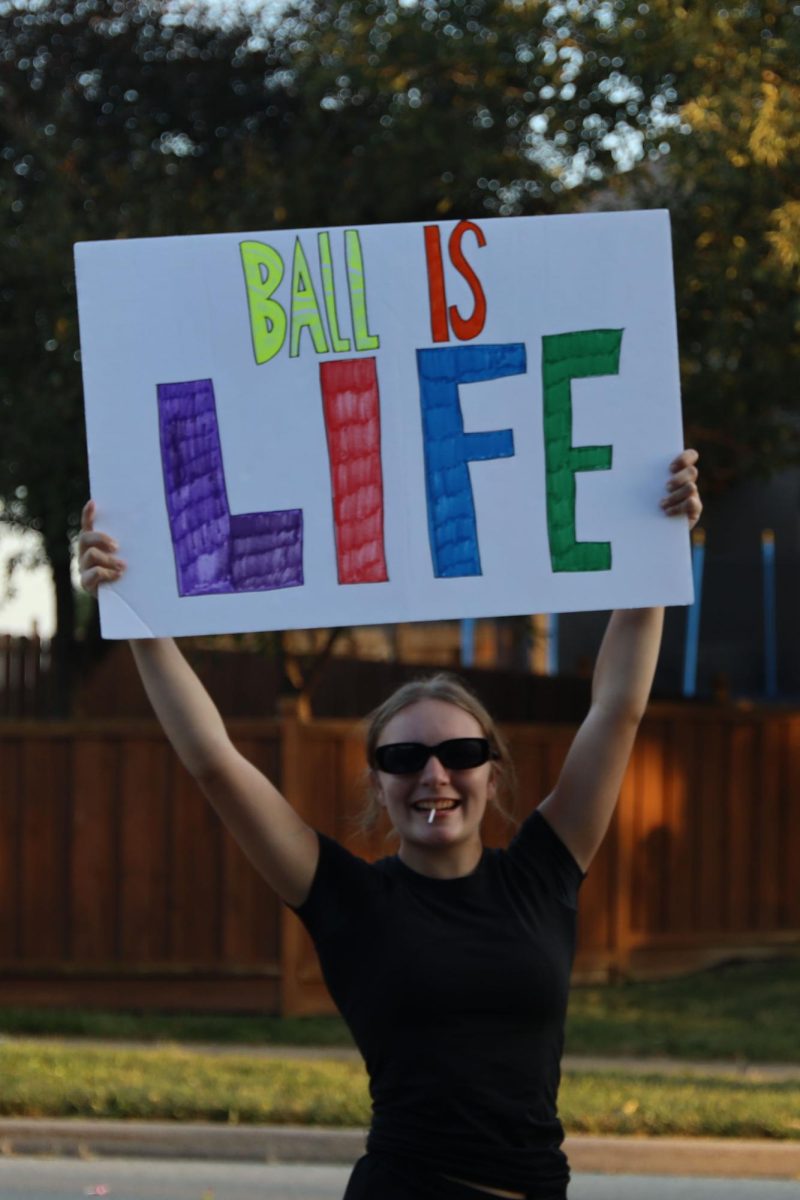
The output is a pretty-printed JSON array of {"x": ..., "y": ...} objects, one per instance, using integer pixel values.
[{"x": 351, "y": 407}]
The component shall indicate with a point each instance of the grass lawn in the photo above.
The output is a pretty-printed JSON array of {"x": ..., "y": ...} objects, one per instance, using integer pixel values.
[
  {"x": 186, "y": 1085},
  {"x": 744, "y": 1011}
]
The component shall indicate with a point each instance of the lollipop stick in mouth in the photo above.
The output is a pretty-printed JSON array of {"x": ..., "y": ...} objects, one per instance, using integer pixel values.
[{"x": 432, "y": 816}]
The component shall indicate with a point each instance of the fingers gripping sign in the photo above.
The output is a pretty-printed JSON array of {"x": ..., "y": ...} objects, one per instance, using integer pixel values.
[
  {"x": 97, "y": 554},
  {"x": 683, "y": 498}
]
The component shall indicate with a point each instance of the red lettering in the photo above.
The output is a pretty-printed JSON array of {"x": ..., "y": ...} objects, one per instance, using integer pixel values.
[
  {"x": 436, "y": 292},
  {"x": 351, "y": 406},
  {"x": 467, "y": 329}
]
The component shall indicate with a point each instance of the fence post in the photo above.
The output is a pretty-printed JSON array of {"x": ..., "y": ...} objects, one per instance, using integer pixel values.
[
  {"x": 693, "y": 616},
  {"x": 770, "y": 634}
]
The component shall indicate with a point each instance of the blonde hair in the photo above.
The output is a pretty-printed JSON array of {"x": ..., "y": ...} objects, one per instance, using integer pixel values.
[{"x": 452, "y": 690}]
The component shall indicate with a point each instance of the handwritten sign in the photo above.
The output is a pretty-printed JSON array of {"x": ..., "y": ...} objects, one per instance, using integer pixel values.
[{"x": 389, "y": 423}]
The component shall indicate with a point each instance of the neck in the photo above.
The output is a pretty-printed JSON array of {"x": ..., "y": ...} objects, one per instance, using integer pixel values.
[{"x": 441, "y": 862}]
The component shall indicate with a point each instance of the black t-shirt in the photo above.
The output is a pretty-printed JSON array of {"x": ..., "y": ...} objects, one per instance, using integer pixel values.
[{"x": 455, "y": 991}]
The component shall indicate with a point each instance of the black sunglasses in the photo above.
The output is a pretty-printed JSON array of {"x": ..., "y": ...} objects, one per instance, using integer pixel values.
[{"x": 456, "y": 754}]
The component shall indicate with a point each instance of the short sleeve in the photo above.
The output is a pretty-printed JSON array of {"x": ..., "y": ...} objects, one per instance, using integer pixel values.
[
  {"x": 537, "y": 849},
  {"x": 338, "y": 888}
]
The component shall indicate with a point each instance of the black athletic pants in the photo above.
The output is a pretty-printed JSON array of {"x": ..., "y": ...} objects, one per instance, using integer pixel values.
[{"x": 377, "y": 1178}]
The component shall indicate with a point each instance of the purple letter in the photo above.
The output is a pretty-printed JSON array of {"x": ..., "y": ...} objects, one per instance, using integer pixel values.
[{"x": 214, "y": 550}]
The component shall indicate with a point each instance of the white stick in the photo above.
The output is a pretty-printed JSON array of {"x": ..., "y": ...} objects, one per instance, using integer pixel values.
[{"x": 431, "y": 817}]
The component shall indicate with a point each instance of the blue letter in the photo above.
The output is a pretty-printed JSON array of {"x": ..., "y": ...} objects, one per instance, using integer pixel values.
[{"x": 448, "y": 449}]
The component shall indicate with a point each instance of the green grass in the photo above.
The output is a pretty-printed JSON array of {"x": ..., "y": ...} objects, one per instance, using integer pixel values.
[
  {"x": 740, "y": 1012},
  {"x": 185, "y": 1085},
  {"x": 176, "y": 1027},
  {"x": 175, "y": 1083},
  {"x": 703, "y": 1106}
]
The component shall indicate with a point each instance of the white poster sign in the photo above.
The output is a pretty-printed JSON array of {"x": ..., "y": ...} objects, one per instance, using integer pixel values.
[{"x": 290, "y": 429}]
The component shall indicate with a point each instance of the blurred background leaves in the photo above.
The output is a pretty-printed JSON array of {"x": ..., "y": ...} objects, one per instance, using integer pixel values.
[{"x": 151, "y": 119}]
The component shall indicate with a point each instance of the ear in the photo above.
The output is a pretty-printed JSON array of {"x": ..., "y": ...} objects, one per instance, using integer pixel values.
[
  {"x": 375, "y": 785},
  {"x": 491, "y": 790}
]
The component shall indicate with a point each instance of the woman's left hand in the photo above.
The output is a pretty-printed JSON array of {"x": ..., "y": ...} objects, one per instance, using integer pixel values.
[{"x": 682, "y": 495}]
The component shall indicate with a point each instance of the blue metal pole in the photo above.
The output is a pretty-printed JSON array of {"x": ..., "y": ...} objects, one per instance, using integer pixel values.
[
  {"x": 770, "y": 631},
  {"x": 693, "y": 615},
  {"x": 552, "y": 644},
  {"x": 468, "y": 642}
]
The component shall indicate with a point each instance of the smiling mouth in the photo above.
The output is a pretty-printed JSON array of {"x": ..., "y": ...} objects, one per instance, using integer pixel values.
[{"x": 425, "y": 806}]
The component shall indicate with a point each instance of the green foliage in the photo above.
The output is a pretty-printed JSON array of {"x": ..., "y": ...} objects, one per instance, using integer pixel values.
[
  {"x": 136, "y": 120},
  {"x": 733, "y": 183}
]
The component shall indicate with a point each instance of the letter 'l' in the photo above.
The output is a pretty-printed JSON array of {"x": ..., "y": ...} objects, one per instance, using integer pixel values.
[
  {"x": 451, "y": 509},
  {"x": 568, "y": 356},
  {"x": 215, "y": 550}
]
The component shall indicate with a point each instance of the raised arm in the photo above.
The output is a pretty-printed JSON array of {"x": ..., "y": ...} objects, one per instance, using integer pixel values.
[
  {"x": 281, "y": 846},
  {"x": 582, "y": 803}
]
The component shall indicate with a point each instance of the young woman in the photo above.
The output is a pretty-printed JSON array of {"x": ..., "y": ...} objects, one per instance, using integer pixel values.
[{"x": 450, "y": 962}]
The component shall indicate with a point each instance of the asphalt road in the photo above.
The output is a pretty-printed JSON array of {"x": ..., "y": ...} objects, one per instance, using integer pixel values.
[{"x": 126, "y": 1179}]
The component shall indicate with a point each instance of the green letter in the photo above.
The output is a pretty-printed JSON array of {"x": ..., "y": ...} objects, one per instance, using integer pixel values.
[
  {"x": 263, "y": 271},
  {"x": 305, "y": 310},
  {"x": 326, "y": 267},
  {"x": 568, "y": 356},
  {"x": 358, "y": 295}
]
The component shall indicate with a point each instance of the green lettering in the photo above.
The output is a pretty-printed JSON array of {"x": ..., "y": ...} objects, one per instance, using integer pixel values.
[
  {"x": 263, "y": 272},
  {"x": 305, "y": 309},
  {"x": 568, "y": 356},
  {"x": 356, "y": 284},
  {"x": 328, "y": 287}
]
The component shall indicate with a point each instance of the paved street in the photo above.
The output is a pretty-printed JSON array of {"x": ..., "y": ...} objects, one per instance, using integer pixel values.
[{"x": 124, "y": 1179}]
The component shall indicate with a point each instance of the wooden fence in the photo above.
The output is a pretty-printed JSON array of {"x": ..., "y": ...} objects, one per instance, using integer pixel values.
[
  {"x": 120, "y": 888},
  {"x": 26, "y": 682}
]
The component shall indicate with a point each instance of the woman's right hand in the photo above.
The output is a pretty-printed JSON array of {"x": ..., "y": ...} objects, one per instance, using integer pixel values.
[{"x": 97, "y": 558}]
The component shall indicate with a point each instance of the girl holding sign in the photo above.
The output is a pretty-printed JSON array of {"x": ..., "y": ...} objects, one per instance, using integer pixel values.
[{"x": 449, "y": 961}]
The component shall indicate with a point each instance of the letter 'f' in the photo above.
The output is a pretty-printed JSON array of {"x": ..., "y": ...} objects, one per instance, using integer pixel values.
[{"x": 451, "y": 509}]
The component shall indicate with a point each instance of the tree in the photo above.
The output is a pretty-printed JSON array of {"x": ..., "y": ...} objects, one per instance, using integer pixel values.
[
  {"x": 86, "y": 157},
  {"x": 142, "y": 119},
  {"x": 129, "y": 119},
  {"x": 733, "y": 184}
]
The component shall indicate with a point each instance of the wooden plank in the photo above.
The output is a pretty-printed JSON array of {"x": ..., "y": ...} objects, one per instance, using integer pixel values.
[
  {"x": 349, "y": 775},
  {"x": 355, "y": 789},
  {"x": 679, "y": 808},
  {"x": 792, "y": 890},
  {"x": 695, "y": 750},
  {"x": 195, "y": 865},
  {"x": 770, "y": 823},
  {"x": 10, "y": 862},
  {"x": 742, "y": 793},
  {"x": 653, "y": 848},
  {"x": 144, "y": 807},
  {"x": 44, "y": 850},
  {"x": 712, "y": 787},
  {"x": 93, "y": 851},
  {"x": 249, "y": 916},
  {"x": 165, "y": 994},
  {"x": 594, "y": 920},
  {"x": 625, "y": 834}
]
